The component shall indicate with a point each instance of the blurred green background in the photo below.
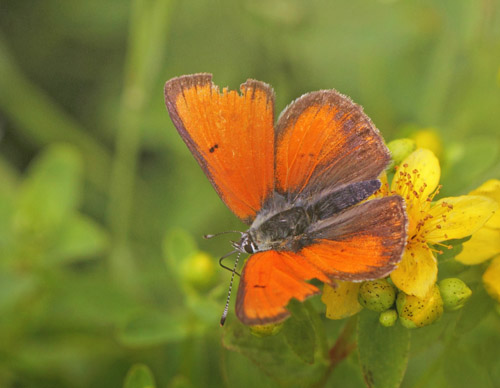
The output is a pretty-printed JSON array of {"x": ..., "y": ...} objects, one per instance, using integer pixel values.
[{"x": 102, "y": 207}]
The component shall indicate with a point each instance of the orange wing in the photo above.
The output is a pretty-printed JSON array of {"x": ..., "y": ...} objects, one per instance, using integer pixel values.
[
  {"x": 325, "y": 140},
  {"x": 269, "y": 281},
  {"x": 231, "y": 136},
  {"x": 361, "y": 243},
  {"x": 364, "y": 242}
]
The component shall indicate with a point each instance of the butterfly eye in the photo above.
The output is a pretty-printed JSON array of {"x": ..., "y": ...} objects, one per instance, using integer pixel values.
[
  {"x": 249, "y": 247},
  {"x": 246, "y": 245}
]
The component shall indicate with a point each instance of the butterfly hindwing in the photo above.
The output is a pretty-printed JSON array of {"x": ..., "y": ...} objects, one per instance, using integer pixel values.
[
  {"x": 269, "y": 280},
  {"x": 324, "y": 140},
  {"x": 364, "y": 242},
  {"x": 231, "y": 136},
  {"x": 361, "y": 243}
]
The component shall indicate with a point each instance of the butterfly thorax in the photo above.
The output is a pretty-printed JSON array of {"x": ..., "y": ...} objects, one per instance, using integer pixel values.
[{"x": 281, "y": 231}]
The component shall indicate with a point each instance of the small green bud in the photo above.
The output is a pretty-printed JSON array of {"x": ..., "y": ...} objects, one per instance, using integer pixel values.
[
  {"x": 454, "y": 293},
  {"x": 400, "y": 149},
  {"x": 418, "y": 312},
  {"x": 377, "y": 295},
  {"x": 266, "y": 330},
  {"x": 198, "y": 271},
  {"x": 388, "y": 318}
]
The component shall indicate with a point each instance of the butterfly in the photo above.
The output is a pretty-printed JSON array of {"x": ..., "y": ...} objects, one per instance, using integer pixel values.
[{"x": 300, "y": 185}]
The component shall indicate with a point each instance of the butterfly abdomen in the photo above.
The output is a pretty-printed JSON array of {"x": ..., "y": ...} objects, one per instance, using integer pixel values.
[{"x": 329, "y": 203}]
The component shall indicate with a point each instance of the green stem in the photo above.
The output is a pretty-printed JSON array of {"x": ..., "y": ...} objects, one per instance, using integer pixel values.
[
  {"x": 342, "y": 348},
  {"x": 147, "y": 43}
]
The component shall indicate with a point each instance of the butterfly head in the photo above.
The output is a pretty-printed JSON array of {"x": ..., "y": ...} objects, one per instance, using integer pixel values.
[{"x": 246, "y": 244}]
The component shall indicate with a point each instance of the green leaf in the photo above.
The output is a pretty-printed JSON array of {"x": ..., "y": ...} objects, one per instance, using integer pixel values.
[
  {"x": 79, "y": 238},
  {"x": 456, "y": 248},
  {"x": 139, "y": 376},
  {"x": 431, "y": 335},
  {"x": 299, "y": 332},
  {"x": 448, "y": 266},
  {"x": 153, "y": 328},
  {"x": 239, "y": 371},
  {"x": 461, "y": 370},
  {"x": 273, "y": 355},
  {"x": 474, "y": 311},
  {"x": 51, "y": 190},
  {"x": 383, "y": 351}
]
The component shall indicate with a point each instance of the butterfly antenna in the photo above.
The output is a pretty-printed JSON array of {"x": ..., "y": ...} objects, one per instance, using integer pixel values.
[
  {"x": 225, "y": 257},
  {"x": 226, "y": 308},
  {"x": 209, "y": 236}
]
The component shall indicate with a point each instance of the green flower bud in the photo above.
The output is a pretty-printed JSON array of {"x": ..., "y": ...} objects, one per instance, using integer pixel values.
[
  {"x": 377, "y": 295},
  {"x": 418, "y": 312},
  {"x": 400, "y": 149},
  {"x": 388, "y": 318},
  {"x": 266, "y": 330},
  {"x": 198, "y": 271},
  {"x": 454, "y": 293}
]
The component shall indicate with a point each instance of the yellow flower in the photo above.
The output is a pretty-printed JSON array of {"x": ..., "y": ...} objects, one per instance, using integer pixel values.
[
  {"x": 485, "y": 243},
  {"x": 341, "y": 299},
  {"x": 430, "y": 223}
]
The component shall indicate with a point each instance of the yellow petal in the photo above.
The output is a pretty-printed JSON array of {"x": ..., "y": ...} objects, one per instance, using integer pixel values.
[
  {"x": 341, "y": 300},
  {"x": 490, "y": 189},
  {"x": 483, "y": 245},
  {"x": 457, "y": 217},
  {"x": 491, "y": 279},
  {"x": 417, "y": 271},
  {"x": 424, "y": 168}
]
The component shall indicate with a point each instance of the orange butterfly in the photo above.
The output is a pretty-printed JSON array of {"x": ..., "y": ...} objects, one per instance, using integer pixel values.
[{"x": 296, "y": 184}]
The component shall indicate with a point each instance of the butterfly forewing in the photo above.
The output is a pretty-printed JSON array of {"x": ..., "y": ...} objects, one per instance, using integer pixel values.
[
  {"x": 231, "y": 136},
  {"x": 324, "y": 140}
]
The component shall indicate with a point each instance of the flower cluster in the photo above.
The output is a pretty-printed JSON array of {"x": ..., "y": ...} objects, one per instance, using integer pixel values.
[{"x": 420, "y": 300}]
